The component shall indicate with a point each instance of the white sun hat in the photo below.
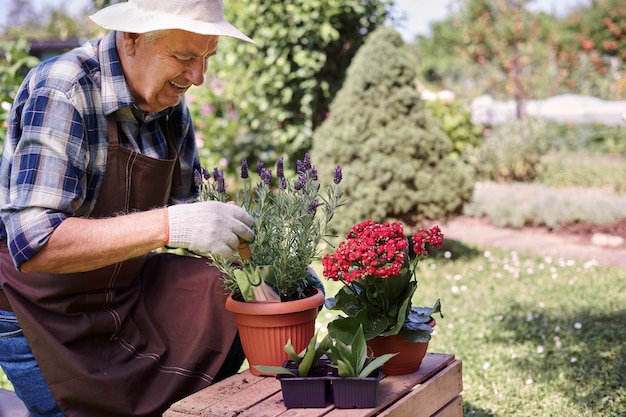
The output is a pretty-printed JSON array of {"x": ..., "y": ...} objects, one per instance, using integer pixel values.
[{"x": 205, "y": 17}]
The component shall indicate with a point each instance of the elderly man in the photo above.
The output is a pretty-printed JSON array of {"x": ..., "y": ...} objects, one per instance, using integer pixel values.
[{"x": 100, "y": 152}]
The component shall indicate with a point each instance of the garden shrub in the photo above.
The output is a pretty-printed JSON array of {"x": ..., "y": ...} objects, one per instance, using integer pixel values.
[
  {"x": 512, "y": 151},
  {"x": 14, "y": 64},
  {"x": 396, "y": 160},
  {"x": 521, "y": 204},
  {"x": 583, "y": 169},
  {"x": 282, "y": 86},
  {"x": 455, "y": 120}
]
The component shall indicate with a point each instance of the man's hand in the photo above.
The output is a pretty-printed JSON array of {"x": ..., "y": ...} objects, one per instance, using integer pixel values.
[{"x": 208, "y": 227}]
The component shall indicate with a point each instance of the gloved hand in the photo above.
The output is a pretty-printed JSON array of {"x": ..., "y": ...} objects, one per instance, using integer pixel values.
[{"x": 208, "y": 227}]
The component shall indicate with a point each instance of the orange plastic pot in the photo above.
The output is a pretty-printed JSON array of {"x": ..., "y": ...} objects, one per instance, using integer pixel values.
[
  {"x": 409, "y": 357},
  {"x": 265, "y": 328}
]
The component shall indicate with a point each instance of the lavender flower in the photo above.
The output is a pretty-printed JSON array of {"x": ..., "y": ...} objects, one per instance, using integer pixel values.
[
  {"x": 266, "y": 176},
  {"x": 244, "y": 169},
  {"x": 313, "y": 206},
  {"x": 306, "y": 162},
  {"x": 313, "y": 173},
  {"x": 300, "y": 183},
  {"x": 205, "y": 173},
  {"x": 338, "y": 175},
  {"x": 283, "y": 183},
  {"x": 221, "y": 183},
  {"x": 280, "y": 167},
  {"x": 197, "y": 178}
]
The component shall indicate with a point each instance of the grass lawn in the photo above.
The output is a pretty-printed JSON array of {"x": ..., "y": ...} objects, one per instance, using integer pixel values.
[{"x": 537, "y": 336}]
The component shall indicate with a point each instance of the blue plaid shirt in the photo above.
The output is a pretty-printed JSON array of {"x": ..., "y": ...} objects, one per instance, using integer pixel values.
[{"x": 55, "y": 151}]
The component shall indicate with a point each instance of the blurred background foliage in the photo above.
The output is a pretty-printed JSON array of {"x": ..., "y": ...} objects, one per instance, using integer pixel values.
[{"x": 269, "y": 100}]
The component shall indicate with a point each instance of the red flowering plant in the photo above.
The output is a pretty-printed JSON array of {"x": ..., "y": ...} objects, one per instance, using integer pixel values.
[{"x": 380, "y": 280}]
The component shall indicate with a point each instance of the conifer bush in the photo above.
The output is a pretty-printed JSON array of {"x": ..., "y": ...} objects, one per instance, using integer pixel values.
[{"x": 397, "y": 162}]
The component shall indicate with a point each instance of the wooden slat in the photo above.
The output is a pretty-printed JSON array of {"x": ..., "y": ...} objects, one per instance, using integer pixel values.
[
  {"x": 431, "y": 396},
  {"x": 395, "y": 386},
  {"x": 246, "y": 395},
  {"x": 453, "y": 409}
]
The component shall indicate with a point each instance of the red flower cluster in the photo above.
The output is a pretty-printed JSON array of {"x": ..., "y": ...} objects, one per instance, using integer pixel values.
[
  {"x": 372, "y": 249},
  {"x": 434, "y": 237},
  {"x": 376, "y": 249}
]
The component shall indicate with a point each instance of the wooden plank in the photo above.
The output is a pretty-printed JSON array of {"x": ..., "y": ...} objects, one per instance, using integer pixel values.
[
  {"x": 262, "y": 389},
  {"x": 431, "y": 396},
  {"x": 246, "y": 395},
  {"x": 255, "y": 388},
  {"x": 393, "y": 387},
  {"x": 453, "y": 409},
  {"x": 274, "y": 407}
]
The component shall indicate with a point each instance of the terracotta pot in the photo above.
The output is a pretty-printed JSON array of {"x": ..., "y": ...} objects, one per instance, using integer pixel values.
[
  {"x": 409, "y": 357},
  {"x": 265, "y": 328}
]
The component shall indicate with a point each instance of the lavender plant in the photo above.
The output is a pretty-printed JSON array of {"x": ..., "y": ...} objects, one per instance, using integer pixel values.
[{"x": 291, "y": 218}]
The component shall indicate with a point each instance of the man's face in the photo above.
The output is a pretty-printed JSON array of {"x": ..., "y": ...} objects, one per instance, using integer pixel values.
[{"x": 160, "y": 70}]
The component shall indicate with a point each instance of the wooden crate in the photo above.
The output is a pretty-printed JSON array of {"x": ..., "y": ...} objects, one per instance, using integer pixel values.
[{"x": 433, "y": 391}]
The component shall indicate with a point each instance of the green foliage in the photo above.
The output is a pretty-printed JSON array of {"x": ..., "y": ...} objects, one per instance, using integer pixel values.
[
  {"x": 455, "y": 121},
  {"x": 597, "y": 33},
  {"x": 538, "y": 336},
  {"x": 351, "y": 357},
  {"x": 281, "y": 87},
  {"x": 577, "y": 169},
  {"x": 305, "y": 360},
  {"x": 519, "y": 205},
  {"x": 397, "y": 163},
  {"x": 503, "y": 49},
  {"x": 14, "y": 63},
  {"x": 512, "y": 151},
  {"x": 291, "y": 218}
]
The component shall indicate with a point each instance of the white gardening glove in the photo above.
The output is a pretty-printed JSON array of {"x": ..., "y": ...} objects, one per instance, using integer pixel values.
[{"x": 208, "y": 227}]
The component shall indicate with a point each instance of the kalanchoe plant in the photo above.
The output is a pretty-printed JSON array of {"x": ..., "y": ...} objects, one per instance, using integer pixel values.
[
  {"x": 291, "y": 217},
  {"x": 380, "y": 280}
]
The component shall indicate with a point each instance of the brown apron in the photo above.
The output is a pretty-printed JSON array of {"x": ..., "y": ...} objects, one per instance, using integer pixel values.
[{"x": 131, "y": 338}]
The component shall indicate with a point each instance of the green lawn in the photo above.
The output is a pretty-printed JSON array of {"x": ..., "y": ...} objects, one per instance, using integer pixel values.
[{"x": 537, "y": 336}]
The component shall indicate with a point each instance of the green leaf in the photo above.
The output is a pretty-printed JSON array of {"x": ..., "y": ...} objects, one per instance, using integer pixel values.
[
  {"x": 375, "y": 364},
  {"x": 244, "y": 284},
  {"x": 289, "y": 349},
  {"x": 309, "y": 357},
  {"x": 279, "y": 370}
]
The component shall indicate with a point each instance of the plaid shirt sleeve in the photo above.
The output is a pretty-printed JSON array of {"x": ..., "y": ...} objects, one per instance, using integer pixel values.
[
  {"x": 45, "y": 169},
  {"x": 54, "y": 154}
]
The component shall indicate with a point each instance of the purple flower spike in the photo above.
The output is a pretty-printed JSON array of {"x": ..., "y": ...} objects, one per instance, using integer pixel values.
[
  {"x": 313, "y": 206},
  {"x": 313, "y": 173},
  {"x": 300, "y": 183},
  {"x": 197, "y": 178},
  {"x": 260, "y": 168},
  {"x": 283, "y": 183},
  {"x": 307, "y": 162},
  {"x": 280, "y": 167},
  {"x": 221, "y": 184},
  {"x": 205, "y": 173},
  {"x": 338, "y": 175},
  {"x": 266, "y": 176},
  {"x": 244, "y": 169}
]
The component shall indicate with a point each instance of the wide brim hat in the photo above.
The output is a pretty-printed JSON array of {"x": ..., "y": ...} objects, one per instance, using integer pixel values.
[{"x": 205, "y": 17}]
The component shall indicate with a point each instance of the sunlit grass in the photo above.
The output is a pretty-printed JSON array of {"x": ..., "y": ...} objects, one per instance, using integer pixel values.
[{"x": 537, "y": 336}]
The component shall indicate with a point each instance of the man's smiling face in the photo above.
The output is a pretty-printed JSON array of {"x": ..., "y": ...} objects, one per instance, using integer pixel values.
[{"x": 161, "y": 68}]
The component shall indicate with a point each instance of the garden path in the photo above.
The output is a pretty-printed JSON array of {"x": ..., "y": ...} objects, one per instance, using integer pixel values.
[{"x": 534, "y": 240}]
